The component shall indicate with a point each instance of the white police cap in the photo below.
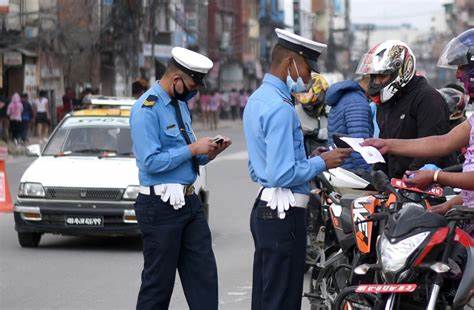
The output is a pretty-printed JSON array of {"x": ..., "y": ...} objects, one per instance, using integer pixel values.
[
  {"x": 307, "y": 48},
  {"x": 193, "y": 64}
]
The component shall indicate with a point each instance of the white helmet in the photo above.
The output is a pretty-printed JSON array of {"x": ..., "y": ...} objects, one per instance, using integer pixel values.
[{"x": 392, "y": 57}]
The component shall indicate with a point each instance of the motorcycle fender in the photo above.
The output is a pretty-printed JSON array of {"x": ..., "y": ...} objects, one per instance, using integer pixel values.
[{"x": 464, "y": 292}]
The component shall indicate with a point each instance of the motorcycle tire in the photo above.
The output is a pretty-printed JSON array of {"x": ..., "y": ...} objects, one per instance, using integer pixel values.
[{"x": 357, "y": 301}]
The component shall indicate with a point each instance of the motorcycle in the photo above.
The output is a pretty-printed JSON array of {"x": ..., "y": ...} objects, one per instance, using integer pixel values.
[
  {"x": 351, "y": 233},
  {"x": 424, "y": 261}
]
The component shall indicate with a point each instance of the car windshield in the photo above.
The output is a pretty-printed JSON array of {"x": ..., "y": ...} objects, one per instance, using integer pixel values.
[{"x": 91, "y": 136}]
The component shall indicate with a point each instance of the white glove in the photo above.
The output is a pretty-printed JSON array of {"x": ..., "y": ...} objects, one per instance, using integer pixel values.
[
  {"x": 174, "y": 193},
  {"x": 281, "y": 200}
]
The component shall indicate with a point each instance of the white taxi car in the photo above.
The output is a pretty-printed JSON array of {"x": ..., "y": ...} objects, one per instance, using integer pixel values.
[{"x": 85, "y": 179}]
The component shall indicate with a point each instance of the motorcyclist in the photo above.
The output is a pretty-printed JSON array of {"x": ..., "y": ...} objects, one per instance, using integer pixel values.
[
  {"x": 311, "y": 109},
  {"x": 408, "y": 107},
  {"x": 459, "y": 53},
  {"x": 455, "y": 100}
]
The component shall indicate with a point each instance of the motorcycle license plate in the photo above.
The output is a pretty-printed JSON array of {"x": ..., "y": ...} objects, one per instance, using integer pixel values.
[{"x": 386, "y": 288}]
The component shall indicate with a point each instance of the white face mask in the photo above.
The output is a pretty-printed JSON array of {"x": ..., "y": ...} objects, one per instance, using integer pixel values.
[{"x": 295, "y": 87}]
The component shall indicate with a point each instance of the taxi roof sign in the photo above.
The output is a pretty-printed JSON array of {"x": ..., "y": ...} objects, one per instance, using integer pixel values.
[
  {"x": 112, "y": 101},
  {"x": 102, "y": 112}
]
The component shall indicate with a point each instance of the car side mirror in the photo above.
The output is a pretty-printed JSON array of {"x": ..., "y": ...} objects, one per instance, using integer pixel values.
[{"x": 33, "y": 150}]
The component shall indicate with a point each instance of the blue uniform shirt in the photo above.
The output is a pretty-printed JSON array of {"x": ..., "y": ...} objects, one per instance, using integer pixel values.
[
  {"x": 277, "y": 157},
  {"x": 161, "y": 151}
]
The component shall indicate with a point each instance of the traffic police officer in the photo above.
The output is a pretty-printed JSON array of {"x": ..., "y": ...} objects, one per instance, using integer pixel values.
[
  {"x": 277, "y": 161},
  {"x": 170, "y": 216}
]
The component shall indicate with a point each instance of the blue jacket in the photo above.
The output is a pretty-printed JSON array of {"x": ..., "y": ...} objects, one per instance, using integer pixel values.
[{"x": 350, "y": 115}]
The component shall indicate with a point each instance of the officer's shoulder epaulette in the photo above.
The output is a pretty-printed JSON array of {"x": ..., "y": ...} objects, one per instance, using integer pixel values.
[{"x": 149, "y": 101}]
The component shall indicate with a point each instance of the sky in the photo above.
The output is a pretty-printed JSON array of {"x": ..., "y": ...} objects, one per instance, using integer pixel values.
[{"x": 395, "y": 12}]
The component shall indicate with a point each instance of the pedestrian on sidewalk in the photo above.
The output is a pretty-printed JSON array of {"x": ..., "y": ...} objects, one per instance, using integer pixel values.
[
  {"x": 204, "y": 105},
  {"x": 214, "y": 108},
  {"x": 43, "y": 119},
  {"x": 4, "y": 123},
  {"x": 139, "y": 87},
  {"x": 243, "y": 98},
  {"x": 14, "y": 111},
  {"x": 26, "y": 117},
  {"x": 68, "y": 101},
  {"x": 234, "y": 104},
  {"x": 225, "y": 105}
]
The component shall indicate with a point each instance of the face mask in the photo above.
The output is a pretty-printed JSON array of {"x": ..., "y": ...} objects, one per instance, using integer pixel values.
[
  {"x": 186, "y": 94},
  {"x": 295, "y": 87}
]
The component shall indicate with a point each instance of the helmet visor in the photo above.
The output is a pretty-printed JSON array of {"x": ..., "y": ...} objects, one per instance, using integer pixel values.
[
  {"x": 458, "y": 50},
  {"x": 372, "y": 63}
]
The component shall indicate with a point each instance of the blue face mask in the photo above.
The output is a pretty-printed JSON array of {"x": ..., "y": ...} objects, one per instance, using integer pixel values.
[{"x": 295, "y": 87}]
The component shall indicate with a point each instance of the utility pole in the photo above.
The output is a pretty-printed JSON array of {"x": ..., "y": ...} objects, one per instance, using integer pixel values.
[{"x": 151, "y": 38}]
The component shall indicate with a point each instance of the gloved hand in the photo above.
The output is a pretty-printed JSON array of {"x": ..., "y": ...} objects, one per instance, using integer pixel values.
[
  {"x": 281, "y": 200},
  {"x": 174, "y": 193}
]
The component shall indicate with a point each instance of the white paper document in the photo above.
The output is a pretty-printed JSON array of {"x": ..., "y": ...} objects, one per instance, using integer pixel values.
[{"x": 369, "y": 153}]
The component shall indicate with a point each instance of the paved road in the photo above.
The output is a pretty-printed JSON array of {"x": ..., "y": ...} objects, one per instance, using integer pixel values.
[{"x": 104, "y": 273}]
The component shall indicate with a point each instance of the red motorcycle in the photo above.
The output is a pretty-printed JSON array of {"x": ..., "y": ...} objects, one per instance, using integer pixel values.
[{"x": 424, "y": 261}]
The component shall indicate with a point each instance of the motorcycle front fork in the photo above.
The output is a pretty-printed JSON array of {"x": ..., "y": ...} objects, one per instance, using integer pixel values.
[
  {"x": 433, "y": 297},
  {"x": 444, "y": 259}
]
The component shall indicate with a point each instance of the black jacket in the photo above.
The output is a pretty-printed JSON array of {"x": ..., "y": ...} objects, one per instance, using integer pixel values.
[{"x": 417, "y": 110}]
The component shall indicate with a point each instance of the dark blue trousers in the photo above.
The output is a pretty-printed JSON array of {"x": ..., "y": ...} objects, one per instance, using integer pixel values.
[
  {"x": 175, "y": 239},
  {"x": 279, "y": 259}
]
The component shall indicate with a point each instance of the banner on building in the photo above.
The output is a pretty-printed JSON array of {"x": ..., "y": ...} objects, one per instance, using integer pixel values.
[
  {"x": 31, "y": 80},
  {"x": 4, "y": 6},
  {"x": 12, "y": 59}
]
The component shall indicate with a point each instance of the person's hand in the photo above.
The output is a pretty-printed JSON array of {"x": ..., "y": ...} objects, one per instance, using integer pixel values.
[
  {"x": 420, "y": 179},
  {"x": 173, "y": 192},
  {"x": 441, "y": 208},
  {"x": 202, "y": 146},
  {"x": 379, "y": 144},
  {"x": 220, "y": 148},
  {"x": 335, "y": 157},
  {"x": 318, "y": 151}
]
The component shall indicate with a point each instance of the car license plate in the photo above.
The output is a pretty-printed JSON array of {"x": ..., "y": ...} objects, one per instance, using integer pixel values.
[{"x": 84, "y": 220}]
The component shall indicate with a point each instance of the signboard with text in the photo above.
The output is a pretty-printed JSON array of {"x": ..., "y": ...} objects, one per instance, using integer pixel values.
[{"x": 4, "y": 6}]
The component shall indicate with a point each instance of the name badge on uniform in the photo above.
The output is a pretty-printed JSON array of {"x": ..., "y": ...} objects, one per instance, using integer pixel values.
[{"x": 171, "y": 126}]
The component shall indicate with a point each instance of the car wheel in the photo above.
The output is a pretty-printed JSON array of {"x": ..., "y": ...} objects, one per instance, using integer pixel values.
[{"x": 28, "y": 239}]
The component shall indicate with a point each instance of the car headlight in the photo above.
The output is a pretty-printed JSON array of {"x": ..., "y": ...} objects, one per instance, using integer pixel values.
[
  {"x": 31, "y": 190},
  {"x": 131, "y": 192},
  {"x": 394, "y": 255}
]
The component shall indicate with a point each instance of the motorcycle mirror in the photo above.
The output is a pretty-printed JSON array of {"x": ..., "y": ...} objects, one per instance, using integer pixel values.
[{"x": 380, "y": 180}]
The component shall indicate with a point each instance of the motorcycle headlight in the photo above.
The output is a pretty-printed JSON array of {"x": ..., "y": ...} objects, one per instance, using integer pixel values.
[
  {"x": 394, "y": 255},
  {"x": 131, "y": 192}
]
